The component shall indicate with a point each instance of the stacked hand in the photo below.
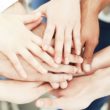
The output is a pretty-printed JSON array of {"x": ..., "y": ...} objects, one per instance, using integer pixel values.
[
  {"x": 16, "y": 39},
  {"x": 63, "y": 21},
  {"x": 39, "y": 54}
]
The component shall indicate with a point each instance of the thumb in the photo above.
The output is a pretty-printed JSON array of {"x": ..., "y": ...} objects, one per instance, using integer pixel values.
[
  {"x": 29, "y": 18},
  {"x": 88, "y": 55}
]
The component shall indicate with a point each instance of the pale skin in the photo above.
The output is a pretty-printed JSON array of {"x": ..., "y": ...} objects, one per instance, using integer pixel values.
[
  {"x": 11, "y": 86},
  {"x": 82, "y": 91},
  {"x": 65, "y": 24},
  {"x": 18, "y": 40},
  {"x": 4, "y": 63},
  {"x": 50, "y": 76}
]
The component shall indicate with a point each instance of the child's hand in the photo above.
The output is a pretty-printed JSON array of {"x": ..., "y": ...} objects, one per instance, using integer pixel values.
[
  {"x": 16, "y": 39},
  {"x": 63, "y": 20}
]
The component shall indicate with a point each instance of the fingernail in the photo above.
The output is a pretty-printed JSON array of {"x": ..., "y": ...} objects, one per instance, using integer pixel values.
[
  {"x": 87, "y": 67},
  {"x": 45, "y": 47},
  {"x": 64, "y": 86},
  {"x": 40, "y": 103},
  {"x": 66, "y": 61},
  {"x": 78, "y": 52},
  {"x": 58, "y": 60},
  {"x": 70, "y": 78}
]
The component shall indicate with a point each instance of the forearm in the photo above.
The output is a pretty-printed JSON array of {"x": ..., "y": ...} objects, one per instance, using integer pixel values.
[
  {"x": 101, "y": 59},
  {"x": 94, "y": 6}
]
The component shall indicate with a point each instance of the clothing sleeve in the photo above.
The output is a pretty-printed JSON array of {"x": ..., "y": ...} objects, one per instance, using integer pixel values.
[{"x": 4, "y": 4}]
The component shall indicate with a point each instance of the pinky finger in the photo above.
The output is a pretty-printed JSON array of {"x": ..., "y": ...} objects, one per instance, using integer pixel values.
[{"x": 16, "y": 63}]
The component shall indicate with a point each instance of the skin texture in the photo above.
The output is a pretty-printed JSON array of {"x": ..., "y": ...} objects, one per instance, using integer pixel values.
[
  {"x": 97, "y": 78},
  {"x": 90, "y": 36},
  {"x": 81, "y": 92},
  {"x": 65, "y": 24},
  {"x": 50, "y": 77},
  {"x": 22, "y": 92}
]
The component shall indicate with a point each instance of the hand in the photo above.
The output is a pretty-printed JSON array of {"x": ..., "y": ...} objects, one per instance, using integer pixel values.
[
  {"x": 63, "y": 70},
  {"x": 18, "y": 40},
  {"x": 80, "y": 92},
  {"x": 22, "y": 92},
  {"x": 89, "y": 35},
  {"x": 63, "y": 20}
]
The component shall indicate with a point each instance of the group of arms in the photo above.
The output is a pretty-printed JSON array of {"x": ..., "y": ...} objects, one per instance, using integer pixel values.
[{"x": 50, "y": 57}]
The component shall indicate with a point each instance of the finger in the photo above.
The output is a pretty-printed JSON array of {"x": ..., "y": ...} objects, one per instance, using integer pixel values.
[
  {"x": 48, "y": 34},
  {"x": 88, "y": 54},
  {"x": 37, "y": 40},
  {"x": 59, "y": 41},
  {"x": 29, "y": 18},
  {"x": 69, "y": 69},
  {"x": 67, "y": 45},
  {"x": 42, "y": 55},
  {"x": 16, "y": 63},
  {"x": 77, "y": 40},
  {"x": 64, "y": 85},
  {"x": 75, "y": 59},
  {"x": 31, "y": 60},
  {"x": 43, "y": 89},
  {"x": 31, "y": 26},
  {"x": 55, "y": 85},
  {"x": 56, "y": 78},
  {"x": 61, "y": 103}
]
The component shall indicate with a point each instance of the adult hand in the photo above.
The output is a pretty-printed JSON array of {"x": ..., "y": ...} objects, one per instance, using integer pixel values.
[
  {"x": 89, "y": 33},
  {"x": 63, "y": 20},
  {"x": 18, "y": 40},
  {"x": 63, "y": 72},
  {"x": 80, "y": 93},
  {"x": 22, "y": 92}
]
